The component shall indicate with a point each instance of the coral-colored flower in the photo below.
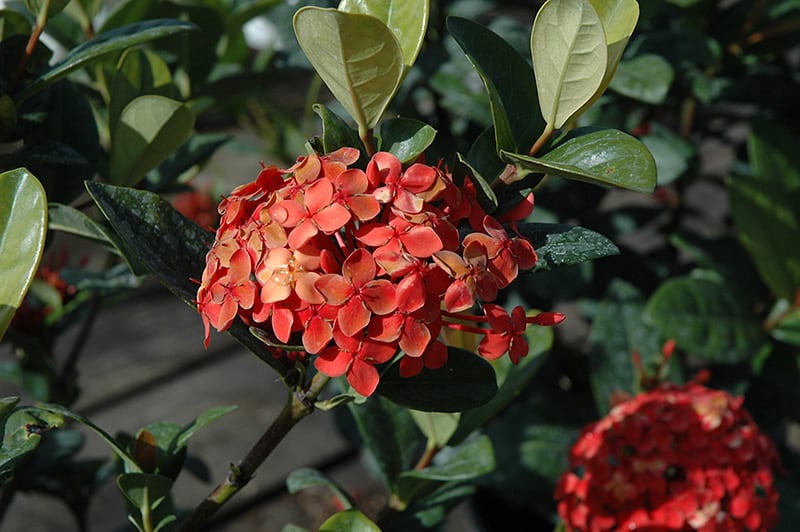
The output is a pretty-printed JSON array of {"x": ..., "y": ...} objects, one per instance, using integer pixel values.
[
  {"x": 471, "y": 277},
  {"x": 310, "y": 213},
  {"x": 356, "y": 358},
  {"x": 224, "y": 291},
  {"x": 673, "y": 458},
  {"x": 406, "y": 191},
  {"x": 506, "y": 255}
]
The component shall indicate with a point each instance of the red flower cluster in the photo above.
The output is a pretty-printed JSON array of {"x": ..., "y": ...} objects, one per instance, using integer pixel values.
[
  {"x": 355, "y": 264},
  {"x": 674, "y": 458}
]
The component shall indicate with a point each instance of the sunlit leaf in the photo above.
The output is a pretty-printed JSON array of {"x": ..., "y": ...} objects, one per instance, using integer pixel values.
[
  {"x": 301, "y": 479},
  {"x": 357, "y": 57},
  {"x": 568, "y": 46},
  {"x": 23, "y": 223},
  {"x": 559, "y": 245},
  {"x": 138, "y": 72},
  {"x": 646, "y": 78},
  {"x": 406, "y": 138},
  {"x": 351, "y": 520}
]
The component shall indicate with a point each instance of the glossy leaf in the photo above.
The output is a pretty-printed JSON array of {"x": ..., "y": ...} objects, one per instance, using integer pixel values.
[
  {"x": 138, "y": 72},
  {"x": 408, "y": 20},
  {"x": 336, "y": 133},
  {"x": 560, "y": 245},
  {"x": 568, "y": 46},
  {"x": 438, "y": 427},
  {"x": 406, "y": 138},
  {"x": 71, "y": 220},
  {"x": 301, "y": 479},
  {"x": 508, "y": 80},
  {"x": 705, "y": 318},
  {"x": 646, "y": 78},
  {"x": 148, "y": 493},
  {"x": 102, "y": 45},
  {"x": 357, "y": 57},
  {"x": 150, "y": 128},
  {"x": 351, "y": 520},
  {"x": 23, "y": 223},
  {"x": 170, "y": 245},
  {"x": 618, "y": 332},
  {"x": 607, "y": 156},
  {"x": 512, "y": 379},
  {"x": 467, "y": 381}
]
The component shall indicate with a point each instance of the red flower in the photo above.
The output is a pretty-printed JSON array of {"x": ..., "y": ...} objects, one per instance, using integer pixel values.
[
  {"x": 310, "y": 213},
  {"x": 471, "y": 277},
  {"x": 506, "y": 255},
  {"x": 356, "y": 358},
  {"x": 674, "y": 458},
  {"x": 406, "y": 191}
]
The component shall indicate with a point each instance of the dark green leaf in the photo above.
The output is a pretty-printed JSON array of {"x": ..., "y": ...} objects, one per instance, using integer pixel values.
[
  {"x": 138, "y": 72},
  {"x": 150, "y": 128},
  {"x": 172, "y": 246},
  {"x": 466, "y": 381},
  {"x": 70, "y": 220},
  {"x": 406, "y": 138},
  {"x": 670, "y": 151},
  {"x": 54, "y": 7},
  {"x": 786, "y": 323},
  {"x": 390, "y": 435},
  {"x": 349, "y": 521},
  {"x": 301, "y": 479},
  {"x": 564, "y": 245},
  {"x": 473, "y": 165},
  {"x": 336, "y": 133},
  {"x": 202, "y": 420},
  {"x": 195, "y": 151},
  {"x": 22, "y": 431},
  {"x": 514, "y": 380},
  {"x": 618, "y": 332},
  {"x": 509, "y": 82},
  {"x": 705, "y": 318},
  {"x": 101, "y": 45},
  {"x": 23, "y": 223},
  {"x": 13, "y": 23},
  {"x": 150, "y": 494},
  {"x": 606, "y": 156},
  {"x": 646, "y": 78}
]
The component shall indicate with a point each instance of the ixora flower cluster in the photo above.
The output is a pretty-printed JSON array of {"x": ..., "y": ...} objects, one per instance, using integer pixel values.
[
  {"x": 674, "y": 458},
  {"x": 359, "y": 265}
]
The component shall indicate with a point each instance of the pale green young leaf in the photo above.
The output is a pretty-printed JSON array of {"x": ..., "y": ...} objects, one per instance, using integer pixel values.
[
  {"x": 357, "y": 57},
  {"x": 438, "y": 427},
  {"x": 568, "y": 46},
  {"x": 23, "y": 223},
  {"x": 408, "y": 20}
]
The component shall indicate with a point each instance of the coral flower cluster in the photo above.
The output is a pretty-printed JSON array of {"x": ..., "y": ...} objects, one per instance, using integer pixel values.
[
  {"x": 674, "y": 458},
  {"x": 359, "y": 265}
]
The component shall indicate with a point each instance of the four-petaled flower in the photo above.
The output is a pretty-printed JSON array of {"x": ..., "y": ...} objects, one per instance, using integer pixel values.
[{"x": 355, "y": 357}]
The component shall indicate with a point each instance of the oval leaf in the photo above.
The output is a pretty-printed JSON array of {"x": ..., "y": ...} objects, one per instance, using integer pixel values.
[
  {"x": 508, "y": 80},
  {"x": 438, "y": 427},
  {"x": 23, "y": 221},
  {"x": 103, "y": 44},
  {"x": 349, "y": 521},
  {"x": 568, "y": 46},
  {"x": 559, "y": 245},
  {"x": 71, "y": 220},
  {"x": 138, "y": 72},
  {"x": 646, "y": 78},
  {"x": 706, "y": 319},
  {"x": 150, "y": 128},
  {"x": 408, "y": 20},
  {"x": 301, "y": 479},
  {"x": 356, "y": 56},
  {"x": 466, "y": 381},
  {"x": 406, "y": 138},
  {"x": 21, "y": 431},
  {"x": 608, "y": 157}
]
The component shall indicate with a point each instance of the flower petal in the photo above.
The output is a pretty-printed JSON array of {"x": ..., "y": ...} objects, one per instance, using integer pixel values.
[
  {"x": 353, "y": 317},
  {"x": 363, "y": 377},
  {"x": 333, "y": 361},
  {"x": 334, "y": 288}
]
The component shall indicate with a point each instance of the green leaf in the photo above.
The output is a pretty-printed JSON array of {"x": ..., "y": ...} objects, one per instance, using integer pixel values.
[
  {"x": 54, "y": 7},
  {"x": 438, "y": 427},
  {"x": 514, "y": 380},
  {"x": 170, "y": 245},
  {"x": 560, "y": 245},
  {"x": 568, "y": 46},
  {"x": 408, "y": 20},
  {"x": 22, "y": 431},
  {"x": 471, "y": 459},
  {"x": 406, "y": 138},
  {"x": 102, "y": 45},
  {"x": 301, "y": 479},
  {"x": 509, "y": 81},
  {"x": 150, "y": 128},
  {"x": 670, "y": 151},
  {"x": 706, "y": 319},
  {"x": 618, "y": 332},
  {"x": 606, "y": 156},
  {"x": 357, "y": 57},
  {"x": 195, "y": 151},
  {"x": 336, "y": 133},
  {"x": 466, "y": 381},
  {"x": 148, "y": 493},
  {"x": 202, "y": 420},
  {"x": 786, "y": 321},
  {"x": 138, "y": 72},
  {"x": 646, "y": 78},
  {"x": 71, "y": 220},
  {"x": 349, "y": 521},
  {"x": 23, "y": 223}
]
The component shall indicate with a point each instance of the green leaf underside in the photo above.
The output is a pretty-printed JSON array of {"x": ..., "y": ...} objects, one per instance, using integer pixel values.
[
  {"x": 467, "y": 381},
  {"x": 356, "y": 56},
  {"x": 509, "y": 82},
  {"x": 607, "y": 157},
  {"x": 408, "y": 20},
  {"x": 349, "y": 521},
  {"x": 646, "y": 78},
  {"x": 170, "y": 245},
  {"x": 559, "y": 245},
  {"x": 568, "y": 46},
  {"x": 438, "y": 427},
  {"x": 102, "y": 45},
  {"x": 706, "y": 319},
  {"x": 23, "y": 223},
  {"x": 150, "y": 128}
]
